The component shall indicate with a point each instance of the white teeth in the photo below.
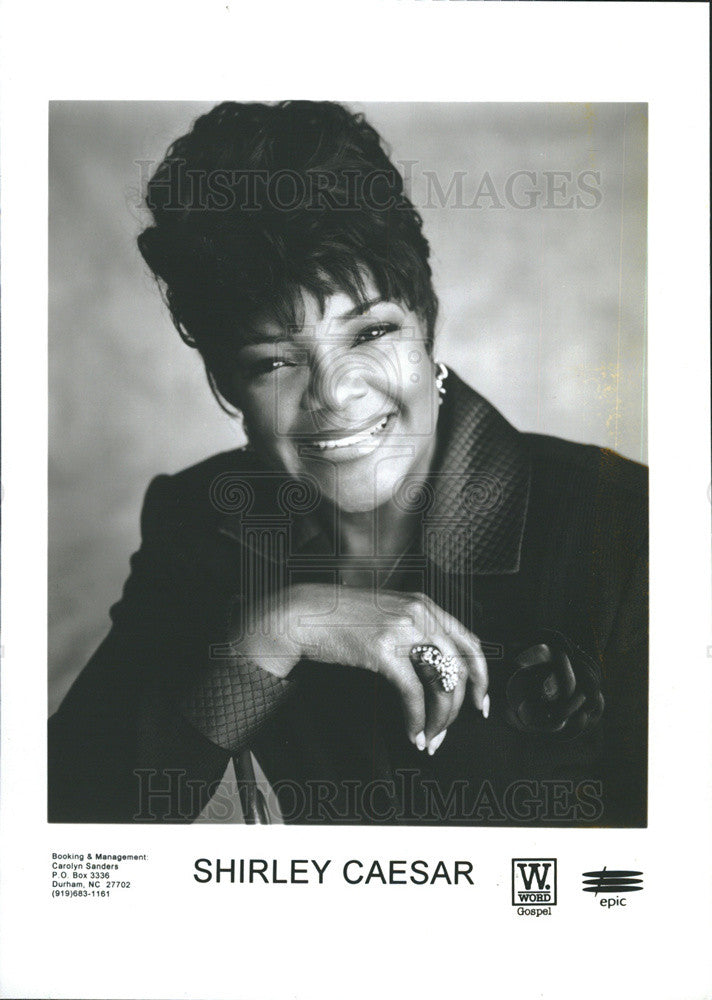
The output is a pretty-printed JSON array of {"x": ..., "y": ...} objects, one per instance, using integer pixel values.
[{"x": 354, "y": 439}]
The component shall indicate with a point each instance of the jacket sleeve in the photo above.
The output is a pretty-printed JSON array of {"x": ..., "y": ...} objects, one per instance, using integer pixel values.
[
  {"x": 119, "y": 749},
  {"x": 625, "y": 686}
]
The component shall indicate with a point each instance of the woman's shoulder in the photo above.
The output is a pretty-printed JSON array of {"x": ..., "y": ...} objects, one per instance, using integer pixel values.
[
  {"x": 566, "y": 476},
  {"x": 472, "y": 419},
  {"x": 235, "y": 462},
  {"x": 593, "y": 485},
  {"x": 203, "y": 492},
  {"x": 618, "y": 473}
]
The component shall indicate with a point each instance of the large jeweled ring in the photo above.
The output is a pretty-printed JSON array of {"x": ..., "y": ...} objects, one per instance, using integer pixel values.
[{"x": 445, "y": 666}]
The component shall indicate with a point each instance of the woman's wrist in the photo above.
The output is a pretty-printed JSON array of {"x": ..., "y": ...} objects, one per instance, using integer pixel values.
[
  {"x": 275, "y": 655},
  {"x": 277, "y": 637}
]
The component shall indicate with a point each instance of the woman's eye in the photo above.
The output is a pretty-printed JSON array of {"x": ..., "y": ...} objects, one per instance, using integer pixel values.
[
  {"x": 266, "y": 365},
  {"x": 374, "y": 332}
]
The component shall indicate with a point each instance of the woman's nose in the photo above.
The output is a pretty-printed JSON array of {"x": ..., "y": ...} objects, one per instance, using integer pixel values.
[{"x": 335, "y": 381}]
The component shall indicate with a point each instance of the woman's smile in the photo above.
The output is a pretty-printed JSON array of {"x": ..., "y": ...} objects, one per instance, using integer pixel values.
[{"x": 350, "y": 442}]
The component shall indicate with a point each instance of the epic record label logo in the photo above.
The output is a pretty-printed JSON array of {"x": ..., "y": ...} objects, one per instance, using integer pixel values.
[
  {"x": 533, "y": 881},
  {"x": 612, "y": 884},
  {"x": 612, "y": 881}
]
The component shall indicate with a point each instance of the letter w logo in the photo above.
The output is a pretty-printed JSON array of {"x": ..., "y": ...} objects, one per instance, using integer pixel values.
[{"x": 534, "y": 873}]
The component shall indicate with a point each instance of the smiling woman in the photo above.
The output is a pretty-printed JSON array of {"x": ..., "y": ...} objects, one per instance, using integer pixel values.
[{"x": 402, "y": 608}]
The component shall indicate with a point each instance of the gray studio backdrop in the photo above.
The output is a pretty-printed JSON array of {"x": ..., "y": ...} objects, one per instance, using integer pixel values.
[{"x": 536, "y": 216}]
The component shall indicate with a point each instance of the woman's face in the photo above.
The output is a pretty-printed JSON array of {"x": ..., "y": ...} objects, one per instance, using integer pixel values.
[{"x": 348, "y": 399}]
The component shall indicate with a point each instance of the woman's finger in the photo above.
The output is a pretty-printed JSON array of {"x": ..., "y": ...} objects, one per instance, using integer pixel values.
[
  {"x": 458, "y": 695},
  {"x": 436, "y": 743},
  {"x": 415, "y": 624},
  {"x": 438, "y": 701},
  {"x": 451, "y": 648},
  {"x": 401, "y": 674},
  {"x": 471, "y": 652}
]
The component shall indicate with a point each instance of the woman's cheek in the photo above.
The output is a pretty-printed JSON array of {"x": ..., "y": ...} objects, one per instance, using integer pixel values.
[
  {"x": 418, "y": 383},
  {"x": 388, "y": 369},
  {"x": 277, "y": 413}
]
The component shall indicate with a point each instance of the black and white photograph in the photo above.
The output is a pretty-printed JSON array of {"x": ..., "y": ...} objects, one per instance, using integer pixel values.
[{"x": 388, "y": 463}]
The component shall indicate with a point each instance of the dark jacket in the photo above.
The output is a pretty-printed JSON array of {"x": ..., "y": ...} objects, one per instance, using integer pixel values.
[{"x": 526, "y": 539}]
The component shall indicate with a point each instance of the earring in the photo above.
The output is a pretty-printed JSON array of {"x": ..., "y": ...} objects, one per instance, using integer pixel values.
[{"x": 440, "y": 376}]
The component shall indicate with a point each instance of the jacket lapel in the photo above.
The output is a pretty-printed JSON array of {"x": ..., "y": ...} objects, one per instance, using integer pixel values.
[{"x": 475, "y": 523}]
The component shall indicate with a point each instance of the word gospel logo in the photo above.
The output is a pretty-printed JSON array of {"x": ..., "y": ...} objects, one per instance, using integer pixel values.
[
  {"x": 611, "y": 884},
  {"x": 534, "y": 885}
]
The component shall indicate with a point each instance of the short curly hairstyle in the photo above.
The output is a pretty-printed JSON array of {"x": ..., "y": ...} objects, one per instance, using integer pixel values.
[{"x": 261, "y": 201}]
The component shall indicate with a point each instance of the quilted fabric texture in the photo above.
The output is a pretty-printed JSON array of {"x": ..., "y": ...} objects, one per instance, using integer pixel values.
[
  {"x": 232, "y": 700},
  {"x": 476, "y": 520}
]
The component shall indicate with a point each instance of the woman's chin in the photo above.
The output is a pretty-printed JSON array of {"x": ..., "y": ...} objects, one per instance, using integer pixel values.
[
  {"x": 349, "y": 496},
  {"x": 362, "y": 476},
  {"x": 353, "y": 492}
]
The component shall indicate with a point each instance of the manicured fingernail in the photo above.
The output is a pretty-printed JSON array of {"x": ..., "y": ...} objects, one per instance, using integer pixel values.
[
  {"x": 486, "y": 707},
  {"x": 420, "y": 741},
  {"x": 436, "y": 742}
]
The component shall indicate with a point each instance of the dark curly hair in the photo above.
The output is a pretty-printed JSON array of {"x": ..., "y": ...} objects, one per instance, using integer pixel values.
[{"x": 259, "y": 201}]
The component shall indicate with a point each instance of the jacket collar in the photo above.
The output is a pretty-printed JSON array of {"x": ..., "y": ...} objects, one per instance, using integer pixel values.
[
  {"x": 480, "y": 489},
  {"x": 473, "y": 506}
]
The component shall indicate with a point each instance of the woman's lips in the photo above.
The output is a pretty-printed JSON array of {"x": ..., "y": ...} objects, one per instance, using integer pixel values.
[{"x": 348, "y": 438}]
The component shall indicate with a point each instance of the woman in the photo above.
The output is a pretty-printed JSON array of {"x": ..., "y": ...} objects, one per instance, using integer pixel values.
[{"x": 404, "y": 608}]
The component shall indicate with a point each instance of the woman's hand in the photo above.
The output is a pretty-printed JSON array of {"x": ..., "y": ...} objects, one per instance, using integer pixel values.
[{"x": 356, "y": 627}]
